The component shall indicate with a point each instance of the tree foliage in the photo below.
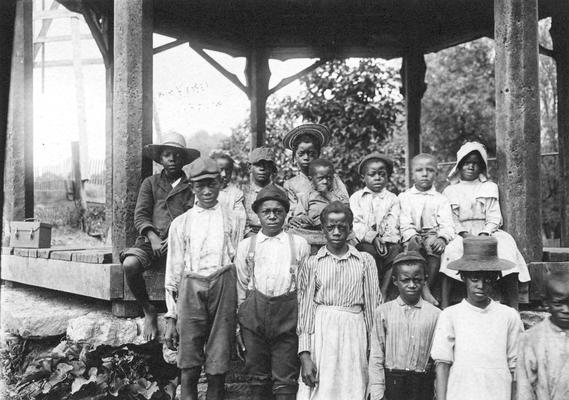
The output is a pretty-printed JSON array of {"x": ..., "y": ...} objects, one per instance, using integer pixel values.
[{"x": 358, "y": 101}]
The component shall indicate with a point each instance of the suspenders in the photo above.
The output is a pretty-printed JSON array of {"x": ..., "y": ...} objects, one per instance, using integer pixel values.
[{"x": 250, "y": 260}]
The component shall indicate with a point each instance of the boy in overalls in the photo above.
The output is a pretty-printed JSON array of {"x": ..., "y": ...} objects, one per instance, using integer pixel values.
[{"x": 267, "y": 267}]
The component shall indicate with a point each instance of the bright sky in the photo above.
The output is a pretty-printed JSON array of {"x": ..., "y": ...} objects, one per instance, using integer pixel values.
[{"x": 189, "y": 94}]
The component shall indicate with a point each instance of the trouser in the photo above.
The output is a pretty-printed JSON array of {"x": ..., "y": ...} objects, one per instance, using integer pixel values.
[
  {"x": 268, "y": 329},
  {"x": 409, "y": 385},
  {"x": 383, "y": 262},
  {"x": 206, "y": 320}
]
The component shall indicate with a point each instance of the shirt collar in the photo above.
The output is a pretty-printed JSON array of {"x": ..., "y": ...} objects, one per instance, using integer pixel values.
[
  {"x": 431, "y": 191},
  {"x": 403, "y": 304},
  {"x": 324, "y": 252},
  {"x": 555, "y": 328},
  {"x": 261, "y": 237},
  {"x": 489, "y": 307},
  {"x": 201, "y": 209},
  {"x": 380, "y": 194}
]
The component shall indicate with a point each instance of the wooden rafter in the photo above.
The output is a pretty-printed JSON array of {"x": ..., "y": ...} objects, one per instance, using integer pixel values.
[
  {"x": 168, "y": 46},
  {"x": 294, "y": 77},
  {"x": 100, "y": 29},
  {"x": 45, "y": 25},
  {"x": 546, "y": 52},
  {"x": 230, "y": 76}
]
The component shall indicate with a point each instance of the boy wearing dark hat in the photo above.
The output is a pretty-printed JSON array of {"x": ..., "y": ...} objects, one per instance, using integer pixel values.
[
  {"x": 426, "y": 220},
  {"x": 476, "y": 341},
  {"x": 267, "y": 268},
  {"x": 400, "y": 367},
  {"x": 162, "y": 197},
  {"x": 543, "y": 356},
  {"x": 262, "y": 167},
  {"x": 376, "y": 215},
  {"x": 200, "y": 286}
]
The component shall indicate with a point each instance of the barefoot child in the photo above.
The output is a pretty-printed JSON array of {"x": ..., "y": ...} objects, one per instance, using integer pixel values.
[
  {"x": 399, "y": 363},
  {"x": 376, "y": 216},
  {"x": 200, "y": 286},
  {"x": 267, "y": 269},
  {"x": 310, "y": 204},
  {"x": 426, "y": 219},
  {"x": 338, "y": 292},
  {"x": 476, "y": 212},
  {"x": 476, "y": 341},
  {"x": 162, "y": 198},
  {"x": 543, "y": 358},
  {"x": 262, "y": 167}
]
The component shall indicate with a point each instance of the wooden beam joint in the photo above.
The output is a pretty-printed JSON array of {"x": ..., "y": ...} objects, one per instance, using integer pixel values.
[{"x": 230, "y": 76}]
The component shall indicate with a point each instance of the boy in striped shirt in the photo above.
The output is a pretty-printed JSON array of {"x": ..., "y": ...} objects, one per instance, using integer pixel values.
[{"x": 402, "y": 334}]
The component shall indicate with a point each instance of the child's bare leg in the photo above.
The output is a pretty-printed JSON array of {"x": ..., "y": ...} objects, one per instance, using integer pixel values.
[
  {"x": 215, "y": 387},
  {"x": 133, "y": 273},
  {"x": 189, "y": 383},
  {"x": 433, "y": 264},
  {"x": 445, "y": 291}
]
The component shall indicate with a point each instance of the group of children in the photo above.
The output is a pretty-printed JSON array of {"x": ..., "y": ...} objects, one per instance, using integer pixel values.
[{"x": 240, "y": 275}]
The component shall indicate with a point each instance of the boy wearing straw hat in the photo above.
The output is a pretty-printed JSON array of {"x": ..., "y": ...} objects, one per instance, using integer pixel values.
[
  {"x": 162, "y": 197},
  {"x": 476, "y": 341}
]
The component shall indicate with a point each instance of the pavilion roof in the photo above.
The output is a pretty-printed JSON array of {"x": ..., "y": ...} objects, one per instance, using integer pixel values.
[{"x": 325, "y": 28}]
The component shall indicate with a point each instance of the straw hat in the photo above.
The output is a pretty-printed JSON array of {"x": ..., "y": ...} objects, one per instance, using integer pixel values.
[
  {"x": 171, "y": 140},
  {"x": 320, "y": 133},
  {"x": 480, "y": 254}
]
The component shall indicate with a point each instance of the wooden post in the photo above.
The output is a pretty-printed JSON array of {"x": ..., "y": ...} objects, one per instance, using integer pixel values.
[
  {"x": 78, "y": 181},
  {"x": 132, "y": 113},
  {"x": 258, "y": 74},
  {"x": 518, "y": 123},
  {"x": 560, "y": 36},
  {"x": 79, "y": 95},
  {"x": 413, "y": 70},
  {"x": 19, "y": 173}
]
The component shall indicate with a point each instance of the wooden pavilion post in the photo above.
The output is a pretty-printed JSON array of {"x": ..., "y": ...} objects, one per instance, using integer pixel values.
[
  {"x": 258, "y": 74},
  {"x": 132, "y": 113},
  {"x": 19, "y": 173},
  {"x": 560, "y": 36},
  {"x": 413, "y": 70},
  {"x": 518, "y": 123}
]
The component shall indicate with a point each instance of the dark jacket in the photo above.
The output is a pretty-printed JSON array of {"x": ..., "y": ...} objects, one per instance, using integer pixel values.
[{"x": 158, "y": 203}]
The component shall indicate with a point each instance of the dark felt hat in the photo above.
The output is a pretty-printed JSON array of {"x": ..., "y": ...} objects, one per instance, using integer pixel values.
[
  {"x": 171, "y": 140},
  {"x": 203, "y": 168},
  {"x": 409, "y": 256},
  {"x": 320, "y": 133},
  {"x": 377, "y": 156},
  {"x": 260, "y": 154},
  {"x": 271, "y": 192},
  {"x": 480, "y": 254}
]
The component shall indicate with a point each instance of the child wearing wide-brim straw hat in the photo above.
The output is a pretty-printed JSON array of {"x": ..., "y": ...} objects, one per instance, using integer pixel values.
[{"x": 475, "y": 342}]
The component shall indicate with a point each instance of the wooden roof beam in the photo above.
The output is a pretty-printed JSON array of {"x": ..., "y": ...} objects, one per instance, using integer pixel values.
[
  {"x": 296, "y": 76},
  {"x": 169, "y": 46},
  {"x": 230, "y": 76}
]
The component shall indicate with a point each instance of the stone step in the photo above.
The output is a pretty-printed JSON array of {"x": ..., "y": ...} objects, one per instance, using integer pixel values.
[{"x": 555, "y": 254}]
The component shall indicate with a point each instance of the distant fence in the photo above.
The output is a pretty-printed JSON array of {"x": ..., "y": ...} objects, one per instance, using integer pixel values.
[{"x": 54, "y": 183}]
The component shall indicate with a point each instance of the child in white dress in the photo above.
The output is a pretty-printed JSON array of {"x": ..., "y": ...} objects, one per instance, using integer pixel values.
[{"x": 476, "y": 212}]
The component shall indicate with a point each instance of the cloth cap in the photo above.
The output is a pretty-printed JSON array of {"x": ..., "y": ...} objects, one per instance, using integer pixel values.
[
  {"x": 377, "y": 156},
  {"x": 465, "y": 150},
  {"x": 170, "y": 140},
  {"x": 271, "y": 192},
  {"x": 480, "y": 254},
  {"x": 260, "y": 154},
  {"x": 409, "y": 256},
  {"x": 318, "y": 131},
  {"x": 203, "y": 168}
]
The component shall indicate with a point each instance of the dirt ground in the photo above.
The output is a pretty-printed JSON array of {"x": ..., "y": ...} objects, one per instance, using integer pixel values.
[{"x": 68, "y": 236}]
